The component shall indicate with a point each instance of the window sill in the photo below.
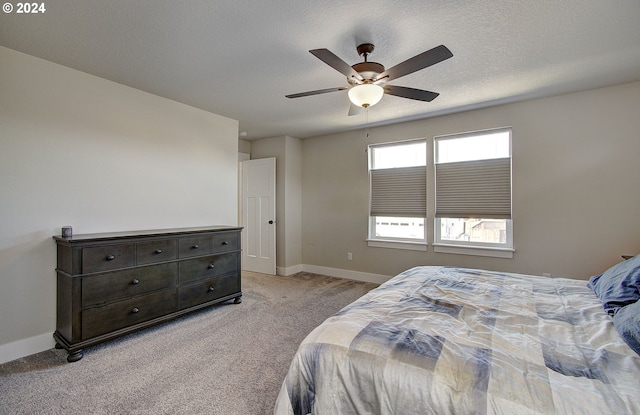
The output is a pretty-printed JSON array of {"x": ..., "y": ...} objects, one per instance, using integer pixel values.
[
  {"x": 474, "y": 250},
  {"x": 411, "y": 246}
]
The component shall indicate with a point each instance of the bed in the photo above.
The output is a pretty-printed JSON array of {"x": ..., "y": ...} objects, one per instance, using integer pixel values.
[{"x": 442, "y": 340}]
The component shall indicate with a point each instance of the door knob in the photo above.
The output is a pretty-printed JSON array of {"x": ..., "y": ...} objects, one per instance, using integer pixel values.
[{"x": 270, "y": 222}]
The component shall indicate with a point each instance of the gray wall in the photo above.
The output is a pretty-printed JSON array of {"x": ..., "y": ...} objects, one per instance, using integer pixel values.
[
  {"x": 575, "y": 187},
  {"x": 82, "y": 151}
]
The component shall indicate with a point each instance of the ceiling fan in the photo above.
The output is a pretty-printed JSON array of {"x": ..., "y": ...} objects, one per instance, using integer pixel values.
[{"x": 368, "y": 80}]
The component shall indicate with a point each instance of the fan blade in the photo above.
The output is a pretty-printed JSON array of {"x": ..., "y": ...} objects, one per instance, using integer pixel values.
[
  {"x": 328, "y": 57},
  {"x": 354, "y": 110},
  {"x": 411, "y": 93},
  {"x": 316, "y": 92},
  {"x": 421, "y": 61}
]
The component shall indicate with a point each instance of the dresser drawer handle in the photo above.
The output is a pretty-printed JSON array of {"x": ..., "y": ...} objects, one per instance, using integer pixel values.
[
  {"x": 110, "y": 257},
  {"x": 134, "y": 310},
  {"x": 158, "y": 251},
  {"x": 211, "y": 289},
  {"x": 135, "y": 281},
  {"x": 225, "y": 243},
  {"x": 211, "y": 266},
  {"x": 196, "y": 246}
]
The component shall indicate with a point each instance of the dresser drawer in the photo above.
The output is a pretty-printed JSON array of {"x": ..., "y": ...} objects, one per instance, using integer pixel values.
[
  {"x": 207, "y": 290},
  {"x": 224, "y": 241},
  {"x": 103, "y": 258},
  {"x": 155, "y": 251},
  {"x": 210, "y": 266},
  {"x": 105, "y": 288},
  {"x": 194, "y": 246},
  {"x": 101, "y": 320}
]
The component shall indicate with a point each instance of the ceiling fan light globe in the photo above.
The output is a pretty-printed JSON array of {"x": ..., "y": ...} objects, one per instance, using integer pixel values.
[{"x": 366, "y": 95}]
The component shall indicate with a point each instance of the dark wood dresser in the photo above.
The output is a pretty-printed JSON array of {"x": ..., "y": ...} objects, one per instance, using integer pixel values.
[{"x": 112, "y": 284}]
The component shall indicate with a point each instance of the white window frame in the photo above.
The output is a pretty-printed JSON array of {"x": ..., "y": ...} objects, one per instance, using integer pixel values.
[
  {"x": 391, "y": 242},
  {"x": 498, "y": 250}
]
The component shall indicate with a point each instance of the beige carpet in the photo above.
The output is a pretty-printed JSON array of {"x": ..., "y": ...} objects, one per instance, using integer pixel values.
[{"x": 228, "y": 359}]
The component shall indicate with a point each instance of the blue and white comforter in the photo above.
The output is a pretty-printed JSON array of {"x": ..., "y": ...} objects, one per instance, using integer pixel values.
[{"x": 438, "y": 340}]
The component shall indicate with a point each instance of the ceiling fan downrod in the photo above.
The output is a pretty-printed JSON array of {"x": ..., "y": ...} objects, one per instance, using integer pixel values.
[{"x": 367, "y": 70}]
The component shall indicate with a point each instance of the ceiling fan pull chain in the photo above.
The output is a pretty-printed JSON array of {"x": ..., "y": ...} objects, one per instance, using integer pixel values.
[{"x": 366, "y": 130}]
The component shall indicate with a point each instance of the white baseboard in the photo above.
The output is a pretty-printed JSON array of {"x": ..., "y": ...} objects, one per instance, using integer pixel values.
[
  {"x": 347, "y": 274},
  {"x": 25, "y": 347},
  {"x": 286, "y": 271}
]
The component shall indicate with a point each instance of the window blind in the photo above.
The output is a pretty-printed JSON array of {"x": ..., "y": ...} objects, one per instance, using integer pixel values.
[
  {"x": 474, "y": 189},
  {"x": 399, "y": 192}
]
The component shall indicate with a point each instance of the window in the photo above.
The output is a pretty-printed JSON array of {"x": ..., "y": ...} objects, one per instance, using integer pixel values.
[
  {"x": 398, "y": 191},
  {"x": 473, "y": 191}
]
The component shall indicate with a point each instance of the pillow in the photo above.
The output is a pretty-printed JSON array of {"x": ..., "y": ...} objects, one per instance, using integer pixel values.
[
  {"x": 627, "y": 322},
  {"x": 619, "y": 285}
]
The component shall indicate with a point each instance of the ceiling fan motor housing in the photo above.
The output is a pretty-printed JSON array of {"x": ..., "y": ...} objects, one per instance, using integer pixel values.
[{"x": 368, "y": 71}]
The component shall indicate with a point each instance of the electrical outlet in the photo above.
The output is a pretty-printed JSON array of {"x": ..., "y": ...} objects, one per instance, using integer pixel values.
[{"x": 349, "y": 256}]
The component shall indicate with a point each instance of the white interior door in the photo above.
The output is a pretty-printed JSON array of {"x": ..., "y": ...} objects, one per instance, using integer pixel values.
[{"x": 259, "y": 215}]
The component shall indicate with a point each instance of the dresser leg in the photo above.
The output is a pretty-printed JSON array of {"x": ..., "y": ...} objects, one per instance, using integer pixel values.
[
  {"x": 58, "y": 346},
  {"x": 237, "y": 300},
  {"x": 75, "y": 356}
]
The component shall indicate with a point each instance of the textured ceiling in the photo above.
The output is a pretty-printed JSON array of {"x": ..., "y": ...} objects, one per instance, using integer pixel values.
[{"x": 239, "y": 58}]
